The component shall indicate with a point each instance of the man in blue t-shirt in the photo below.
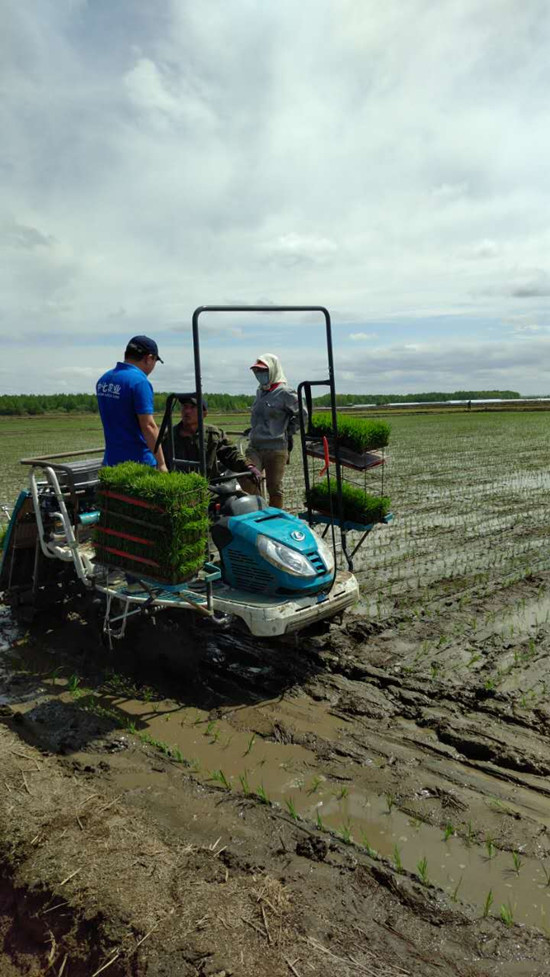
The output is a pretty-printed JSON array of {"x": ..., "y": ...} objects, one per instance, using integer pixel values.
[{"x": 125, "y": 399}]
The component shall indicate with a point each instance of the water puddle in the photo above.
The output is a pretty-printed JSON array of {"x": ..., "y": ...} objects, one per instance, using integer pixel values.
[
  {"x": 265, "y": 750},
  {"x": 289, "y": 775},
  {"x": 524, "y": 618}
]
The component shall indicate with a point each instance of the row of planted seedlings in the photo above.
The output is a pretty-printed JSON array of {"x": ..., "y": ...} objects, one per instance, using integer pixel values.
[
  {"x": 416, "y": 545},
  {"x": 467, "y": 865},
  {"x": 422, "y": 586},
  {"x": 462, "y": 551}
]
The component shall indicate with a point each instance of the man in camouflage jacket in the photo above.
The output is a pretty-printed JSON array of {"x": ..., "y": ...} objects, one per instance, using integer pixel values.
[{"x": 221, "y": 455}]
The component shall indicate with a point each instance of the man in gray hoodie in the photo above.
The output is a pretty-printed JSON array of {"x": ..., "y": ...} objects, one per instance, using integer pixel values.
[{"x": 273, "y": 422}]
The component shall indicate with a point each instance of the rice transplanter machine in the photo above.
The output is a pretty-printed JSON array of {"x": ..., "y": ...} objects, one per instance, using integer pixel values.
[{"x": 271, "y": 570}]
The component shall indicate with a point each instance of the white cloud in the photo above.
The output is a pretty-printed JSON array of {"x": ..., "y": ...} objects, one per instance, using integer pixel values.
[
  {"x": 451, "y": 366},
  {"x": 294, "y": 248},
  {"x": 158, "y": 157},
  {"x": 482, "y": 249}
]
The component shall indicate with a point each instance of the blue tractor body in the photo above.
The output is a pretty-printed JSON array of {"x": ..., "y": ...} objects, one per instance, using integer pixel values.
[{"x": 269, "y": 551}]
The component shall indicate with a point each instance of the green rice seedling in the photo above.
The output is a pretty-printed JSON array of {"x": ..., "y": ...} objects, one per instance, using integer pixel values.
[
  {"x": 488, "y": 903},
  {"x": 105, "y": 713},
  {"x": 516, "y": 858},
  {"x": 291, "y": 808},
  {"x": 250, "y": 745},
  {"x": 448, "y": 832},
  {"x": 315, "y": 784},
  {"x": 397, "y": 859},
  {"x": 262, "y": 796},
  {"x": 212, "y": 730},
  {"x": 55, "y": 673},
  {"x": 390, "y": 802},
  {"x": 319, "y": 821},
  {"x": 345, "y": 833},
  {"x": 507, "y": 914},
  {"x": 422, "y": 869},
  {"x": 470, "y": 834},
  {"x": 454, "y": 894},
  {"x": 243, "y": 777},
  {"x": 220, "y": 778},
  {"x": 490, "y": 848},
  {"x": 358, "y": 506},
  {"x": 356, "y": 433},
  {"x": 342, "y": 793},
  {"x": 365, "y": 843},
  {"x": 131, "y": 726},
  {"x": 73, "y": 683},
  {"x": 158, "y": 744},
  {"x": 172, "y": 752}
]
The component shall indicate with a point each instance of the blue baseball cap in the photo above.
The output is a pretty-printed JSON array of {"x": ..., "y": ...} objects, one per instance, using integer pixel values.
[{"x": 143, "y": 344}]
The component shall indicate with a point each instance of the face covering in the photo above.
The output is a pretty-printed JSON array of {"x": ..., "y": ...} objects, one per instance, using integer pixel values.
[{"x": 262, "y": 376}]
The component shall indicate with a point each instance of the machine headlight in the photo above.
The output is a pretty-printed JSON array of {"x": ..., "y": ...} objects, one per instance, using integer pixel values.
[
  {"x": 285, "y": 558},
  {"x": 326, "y": 553}
]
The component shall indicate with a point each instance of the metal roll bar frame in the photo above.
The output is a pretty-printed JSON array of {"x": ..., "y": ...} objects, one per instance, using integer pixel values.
[{"x": 305, "y": 385}]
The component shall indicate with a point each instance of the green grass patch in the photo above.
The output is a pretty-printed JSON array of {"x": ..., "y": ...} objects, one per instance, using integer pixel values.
[
  {"x": 358, "y": 506},
  {"x": 163, "y": 518},
  {"x": 356, "y": 433}
]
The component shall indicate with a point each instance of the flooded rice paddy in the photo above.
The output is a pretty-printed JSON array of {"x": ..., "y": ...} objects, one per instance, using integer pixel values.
[{"x": 415, "y": 732}]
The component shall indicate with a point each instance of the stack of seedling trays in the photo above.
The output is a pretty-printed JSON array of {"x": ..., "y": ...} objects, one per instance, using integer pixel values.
[
  {"x": 359, "y": 507},
  {"x": 361, "y": 441},
  {"x": 153, "y": 525},
  {"x": 361, "y": 444}
]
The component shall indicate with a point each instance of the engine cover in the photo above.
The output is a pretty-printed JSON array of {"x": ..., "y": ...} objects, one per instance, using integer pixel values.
[{"x": 245, "y": 568}]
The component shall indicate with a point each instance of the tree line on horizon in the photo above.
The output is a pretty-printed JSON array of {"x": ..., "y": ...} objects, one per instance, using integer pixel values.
[{"x": 37, "y": 404}]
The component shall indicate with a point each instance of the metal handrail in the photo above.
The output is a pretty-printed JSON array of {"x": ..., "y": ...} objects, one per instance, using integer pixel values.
[{"x": 62, "y": 454}]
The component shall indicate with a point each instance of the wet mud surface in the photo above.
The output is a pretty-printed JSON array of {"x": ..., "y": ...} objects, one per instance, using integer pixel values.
[{"x": 372, "y": 798}]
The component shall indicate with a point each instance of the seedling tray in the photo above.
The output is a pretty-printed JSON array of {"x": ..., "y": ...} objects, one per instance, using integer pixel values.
[
  {"x": 165, "y": 542},
  {"x": 358, "y": 507},
  {"x": 325, "y": 519},
  {"x": 356, "y": 434},
  {"x": 359, "y": 462}
]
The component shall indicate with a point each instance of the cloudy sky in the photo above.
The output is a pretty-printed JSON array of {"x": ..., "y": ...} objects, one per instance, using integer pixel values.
[{"x": 389, "y": 160}]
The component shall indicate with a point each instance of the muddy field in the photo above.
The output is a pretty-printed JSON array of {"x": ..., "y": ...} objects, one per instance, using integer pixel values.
[{"x": 370, "y": 799}]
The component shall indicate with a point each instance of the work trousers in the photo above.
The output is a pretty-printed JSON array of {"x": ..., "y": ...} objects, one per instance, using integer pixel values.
[{"x": 273, "y": 463}]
